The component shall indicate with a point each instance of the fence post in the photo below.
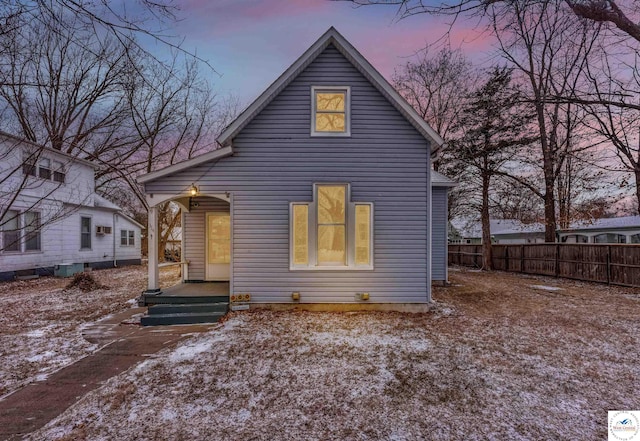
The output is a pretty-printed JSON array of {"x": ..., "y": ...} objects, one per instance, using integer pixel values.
[
  {"x": 609, "y": 265},
  {"x": 557, "y": 259},
  {"x": 475, "y": 255},
  {"x": 506, "y": 257},
  {"x": 522, "y": 258}
]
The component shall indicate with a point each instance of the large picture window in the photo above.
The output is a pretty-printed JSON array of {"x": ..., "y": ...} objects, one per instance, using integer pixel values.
[
  {"x": 331, "y": 232},
  {"x": 332, "y": 241},
  {"x": 330, "y": 111}
]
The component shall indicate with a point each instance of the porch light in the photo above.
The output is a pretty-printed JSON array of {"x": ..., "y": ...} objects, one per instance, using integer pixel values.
[{"x": 193, "y": 190}]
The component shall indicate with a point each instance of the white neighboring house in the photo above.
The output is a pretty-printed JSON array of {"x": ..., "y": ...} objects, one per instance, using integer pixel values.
[
  {"x": 50, "y": 214},
  {"x": 503, "y": 231},
  {"x": 609, "y": 230}
]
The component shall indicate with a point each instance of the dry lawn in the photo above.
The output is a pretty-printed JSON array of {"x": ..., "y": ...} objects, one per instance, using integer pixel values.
[
  {"x": 41, "y": 322},
  {"x": 497, "y": 359}
]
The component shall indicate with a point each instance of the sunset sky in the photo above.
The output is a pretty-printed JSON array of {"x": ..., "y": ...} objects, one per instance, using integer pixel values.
[{"x": 250, "y": 43}]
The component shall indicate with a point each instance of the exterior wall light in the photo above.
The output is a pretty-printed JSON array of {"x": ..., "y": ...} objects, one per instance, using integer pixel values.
[{"x": 193, "y": 190}]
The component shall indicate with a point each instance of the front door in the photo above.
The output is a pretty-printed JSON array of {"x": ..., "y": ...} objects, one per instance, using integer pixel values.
[{"x": 218, "y": 246}]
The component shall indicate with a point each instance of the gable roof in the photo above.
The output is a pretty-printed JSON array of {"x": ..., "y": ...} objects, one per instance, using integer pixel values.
[
  {"x": 4, "y": 136},
  {"x": 332, "y": 36}
]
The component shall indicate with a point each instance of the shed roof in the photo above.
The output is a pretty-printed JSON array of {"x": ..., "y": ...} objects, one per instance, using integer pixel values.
[
  {"x": 613, "y": 223},
  {"x": 471, "y": 228},
  {"x": 440, "y": 180}
]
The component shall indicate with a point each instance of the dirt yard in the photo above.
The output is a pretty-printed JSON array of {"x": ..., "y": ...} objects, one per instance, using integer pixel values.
[
  {"x": 501, "y": 357},
  {"x": 41, "y": 322}
]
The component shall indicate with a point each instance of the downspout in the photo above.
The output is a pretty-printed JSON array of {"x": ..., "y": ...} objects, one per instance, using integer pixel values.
[
  {"x": 113, "y": 231},
  {"x": 430, "y": 223}
]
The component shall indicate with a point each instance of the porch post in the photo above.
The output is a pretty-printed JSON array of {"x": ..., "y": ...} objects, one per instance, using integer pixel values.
[{"x": 152, "y": 251}]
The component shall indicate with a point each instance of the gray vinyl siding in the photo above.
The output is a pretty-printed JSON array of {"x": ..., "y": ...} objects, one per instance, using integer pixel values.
[
  {"x": 439, "y": 234},
  {"x": 194, "y": 233},
  {"x": 276, "y": 162}
]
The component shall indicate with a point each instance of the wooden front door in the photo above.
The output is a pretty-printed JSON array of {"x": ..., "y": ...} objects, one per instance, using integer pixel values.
[{"x": 218, "y": 246}]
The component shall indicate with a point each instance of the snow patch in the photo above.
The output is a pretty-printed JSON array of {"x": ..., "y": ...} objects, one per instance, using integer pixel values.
[
  {"x": 40, "y": 357},
  {"x": 189, "y": 351},
  {"x": 546, "y": 288}
]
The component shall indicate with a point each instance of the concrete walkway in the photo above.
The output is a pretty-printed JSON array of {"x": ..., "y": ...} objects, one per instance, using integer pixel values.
[{"x": 122, "y": 346}]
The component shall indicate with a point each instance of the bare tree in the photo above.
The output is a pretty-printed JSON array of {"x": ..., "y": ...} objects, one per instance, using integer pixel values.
[
  {"x": 98, "y": 95},
  {"x": 124, "y": 22},
  {"x": 436, "y": 86}
]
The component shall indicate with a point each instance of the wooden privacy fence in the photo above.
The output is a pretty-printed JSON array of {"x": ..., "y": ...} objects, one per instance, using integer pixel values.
[{"x": 614, "y": 264}]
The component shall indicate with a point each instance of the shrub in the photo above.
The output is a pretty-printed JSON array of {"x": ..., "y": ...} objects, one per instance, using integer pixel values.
[{"x": 85, "y": 282}]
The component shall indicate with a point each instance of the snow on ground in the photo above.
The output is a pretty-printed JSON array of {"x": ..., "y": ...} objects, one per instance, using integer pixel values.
[
  {"x": 496, "y": 359},
  {"x": 41, "y": 322},
  {"x": 546, "y": 288}
]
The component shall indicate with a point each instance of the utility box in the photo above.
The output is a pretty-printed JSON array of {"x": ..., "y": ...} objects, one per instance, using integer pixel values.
[{"x": 68, "y": 269}]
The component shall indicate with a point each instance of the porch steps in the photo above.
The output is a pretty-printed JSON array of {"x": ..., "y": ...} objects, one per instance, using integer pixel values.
[
  {"x": 153, "y": 299},
  {"x": 186, "y": 318},
  {"x": 183, "y": 310},
  {"x": 188, "y": 308}
]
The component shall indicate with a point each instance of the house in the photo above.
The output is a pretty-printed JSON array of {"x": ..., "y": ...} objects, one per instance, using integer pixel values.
[
  {"x": 173, "y": 244},
  {"x": 503, "y": 231},
  {"x": 321, "y": 192},
  {"x": 51, "y": 219},
  {"x": 611, "y": 230}
]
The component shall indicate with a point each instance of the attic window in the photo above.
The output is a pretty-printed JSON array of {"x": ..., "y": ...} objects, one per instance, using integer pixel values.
[{"x": 330, "y": 111}]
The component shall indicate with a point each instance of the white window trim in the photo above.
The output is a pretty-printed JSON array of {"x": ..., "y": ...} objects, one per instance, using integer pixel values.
[
  {"x": 90, "y": 232},
  {"x": 350, "y": 232},
  {"x": 347, "y": 110},
  {"x": 127, "y": 244}
]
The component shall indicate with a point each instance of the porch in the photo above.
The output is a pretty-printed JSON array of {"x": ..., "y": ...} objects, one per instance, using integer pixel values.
[
  {"x": 205, "y": 242},
  {"x": 186, "y": 303}
]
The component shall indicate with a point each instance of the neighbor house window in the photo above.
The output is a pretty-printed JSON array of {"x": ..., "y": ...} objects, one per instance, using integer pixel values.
[
  {"x": 59, "y": 174},
  {"x": 29, "y": 165},
  {"x": 127, "y": 238},
  {"x": 32, "y": 231},
  {"x": 10, "y": 226},
  {"x": 610, "y": 238},
  {"x": 85, "y": 233},
  {"x": 330, "y": 111},
  {"x": 18, "y": 228},
  {"x": 331, "y": 232},
  {"x": 44, "y": 168}
]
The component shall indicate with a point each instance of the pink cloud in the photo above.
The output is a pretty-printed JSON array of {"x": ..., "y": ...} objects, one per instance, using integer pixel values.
[{"x": 391, "y": 47}]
